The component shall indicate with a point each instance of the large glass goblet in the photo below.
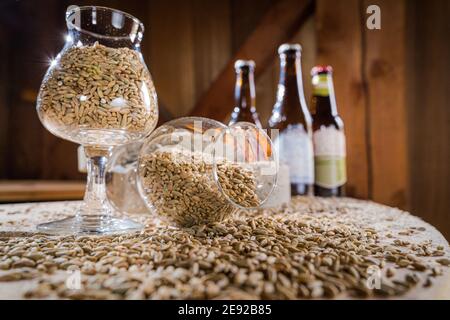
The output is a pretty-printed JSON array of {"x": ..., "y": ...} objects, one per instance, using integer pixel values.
[{"x": 99, "y": 93}]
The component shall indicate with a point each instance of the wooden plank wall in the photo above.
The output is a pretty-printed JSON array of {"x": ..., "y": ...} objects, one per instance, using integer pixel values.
[
  {"x": 186, "y": 44},
  {"x": 200, "y": 47},
  {"x": 392, "y": 92},
  {"x": 4, "y": 88},
  {"x": 384, "y": 71},
  {"x": 33, "y": 152},
  {"x": 370, "y": 88},
  {"x": 185, "y": 48},
  {"x": 339, "y": 43},
  {"x": 428, "y": 98}
]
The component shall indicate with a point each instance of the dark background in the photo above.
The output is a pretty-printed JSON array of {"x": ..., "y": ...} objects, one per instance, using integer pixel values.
[{"x": 392, "y": 85}]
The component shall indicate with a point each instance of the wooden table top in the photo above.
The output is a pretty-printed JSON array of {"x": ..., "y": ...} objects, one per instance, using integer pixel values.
[{"x": 19, "y": 221}]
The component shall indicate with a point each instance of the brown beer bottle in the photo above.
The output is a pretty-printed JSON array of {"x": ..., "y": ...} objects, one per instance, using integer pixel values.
[
  {"x": 291, "y": 117},
  {"x": 328, "y": 136},
  {"x": 244, "y": 94}
]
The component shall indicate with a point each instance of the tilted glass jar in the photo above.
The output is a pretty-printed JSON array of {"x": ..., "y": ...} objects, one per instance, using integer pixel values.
[{"x": 196, "y": 171}]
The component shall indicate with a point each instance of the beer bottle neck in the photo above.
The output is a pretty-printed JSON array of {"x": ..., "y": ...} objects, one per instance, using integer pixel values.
[
  {"x": 244, "y": 93},
  {"x": 323, "y": 89},
  {"x": 290, "y": 85}
]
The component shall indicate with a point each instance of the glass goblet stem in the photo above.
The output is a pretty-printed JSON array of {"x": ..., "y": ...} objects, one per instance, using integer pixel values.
[
  {"x": 95, "y": 201},
  {"x": 95, "y": 215}
]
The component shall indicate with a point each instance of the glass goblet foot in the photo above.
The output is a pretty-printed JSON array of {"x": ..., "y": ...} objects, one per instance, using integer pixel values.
[
  {"x": 95, "y": 216},
  {"x": 90, "y": 225}
]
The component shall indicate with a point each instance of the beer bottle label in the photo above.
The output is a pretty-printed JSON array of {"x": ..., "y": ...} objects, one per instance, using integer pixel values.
[
  {"x": 329, "y": 157},
  {"x": 294, "y": 148},
  {"x": 320, "y": 85}
]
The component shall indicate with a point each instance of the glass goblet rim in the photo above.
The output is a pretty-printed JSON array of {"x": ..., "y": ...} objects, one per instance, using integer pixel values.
[{"x": 73, "y": 9}]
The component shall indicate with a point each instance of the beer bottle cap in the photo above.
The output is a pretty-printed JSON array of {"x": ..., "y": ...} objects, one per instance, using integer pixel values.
[
  {"x": 289, "y": 47},
  {"x": 240, "y": 64},
  {"x": 321, "y": 70}
]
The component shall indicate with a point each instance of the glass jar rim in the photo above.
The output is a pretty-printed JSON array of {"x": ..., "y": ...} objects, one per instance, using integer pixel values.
[
  {"x": 72, "y": 9},
  {"x": 229, "y": 130}
]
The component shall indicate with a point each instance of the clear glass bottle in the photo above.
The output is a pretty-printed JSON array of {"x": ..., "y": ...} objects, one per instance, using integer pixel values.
[
  {"x": 98, "y": 93},
  {"x": 291, "y": 117}
]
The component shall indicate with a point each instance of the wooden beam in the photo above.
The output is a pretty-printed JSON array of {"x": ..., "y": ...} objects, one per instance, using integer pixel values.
[
  {"x": 36, "y": 190},
  {"x": 211, "y": 27},
  {"x": 171, "y": 41},
  {"x": 384, "y": 70},
  {"x": 339, "y": 44},
  {"x": 194, "y": 41},
  {"x": 278, "y": 25},
  {"x": 245, "y": 16}
]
